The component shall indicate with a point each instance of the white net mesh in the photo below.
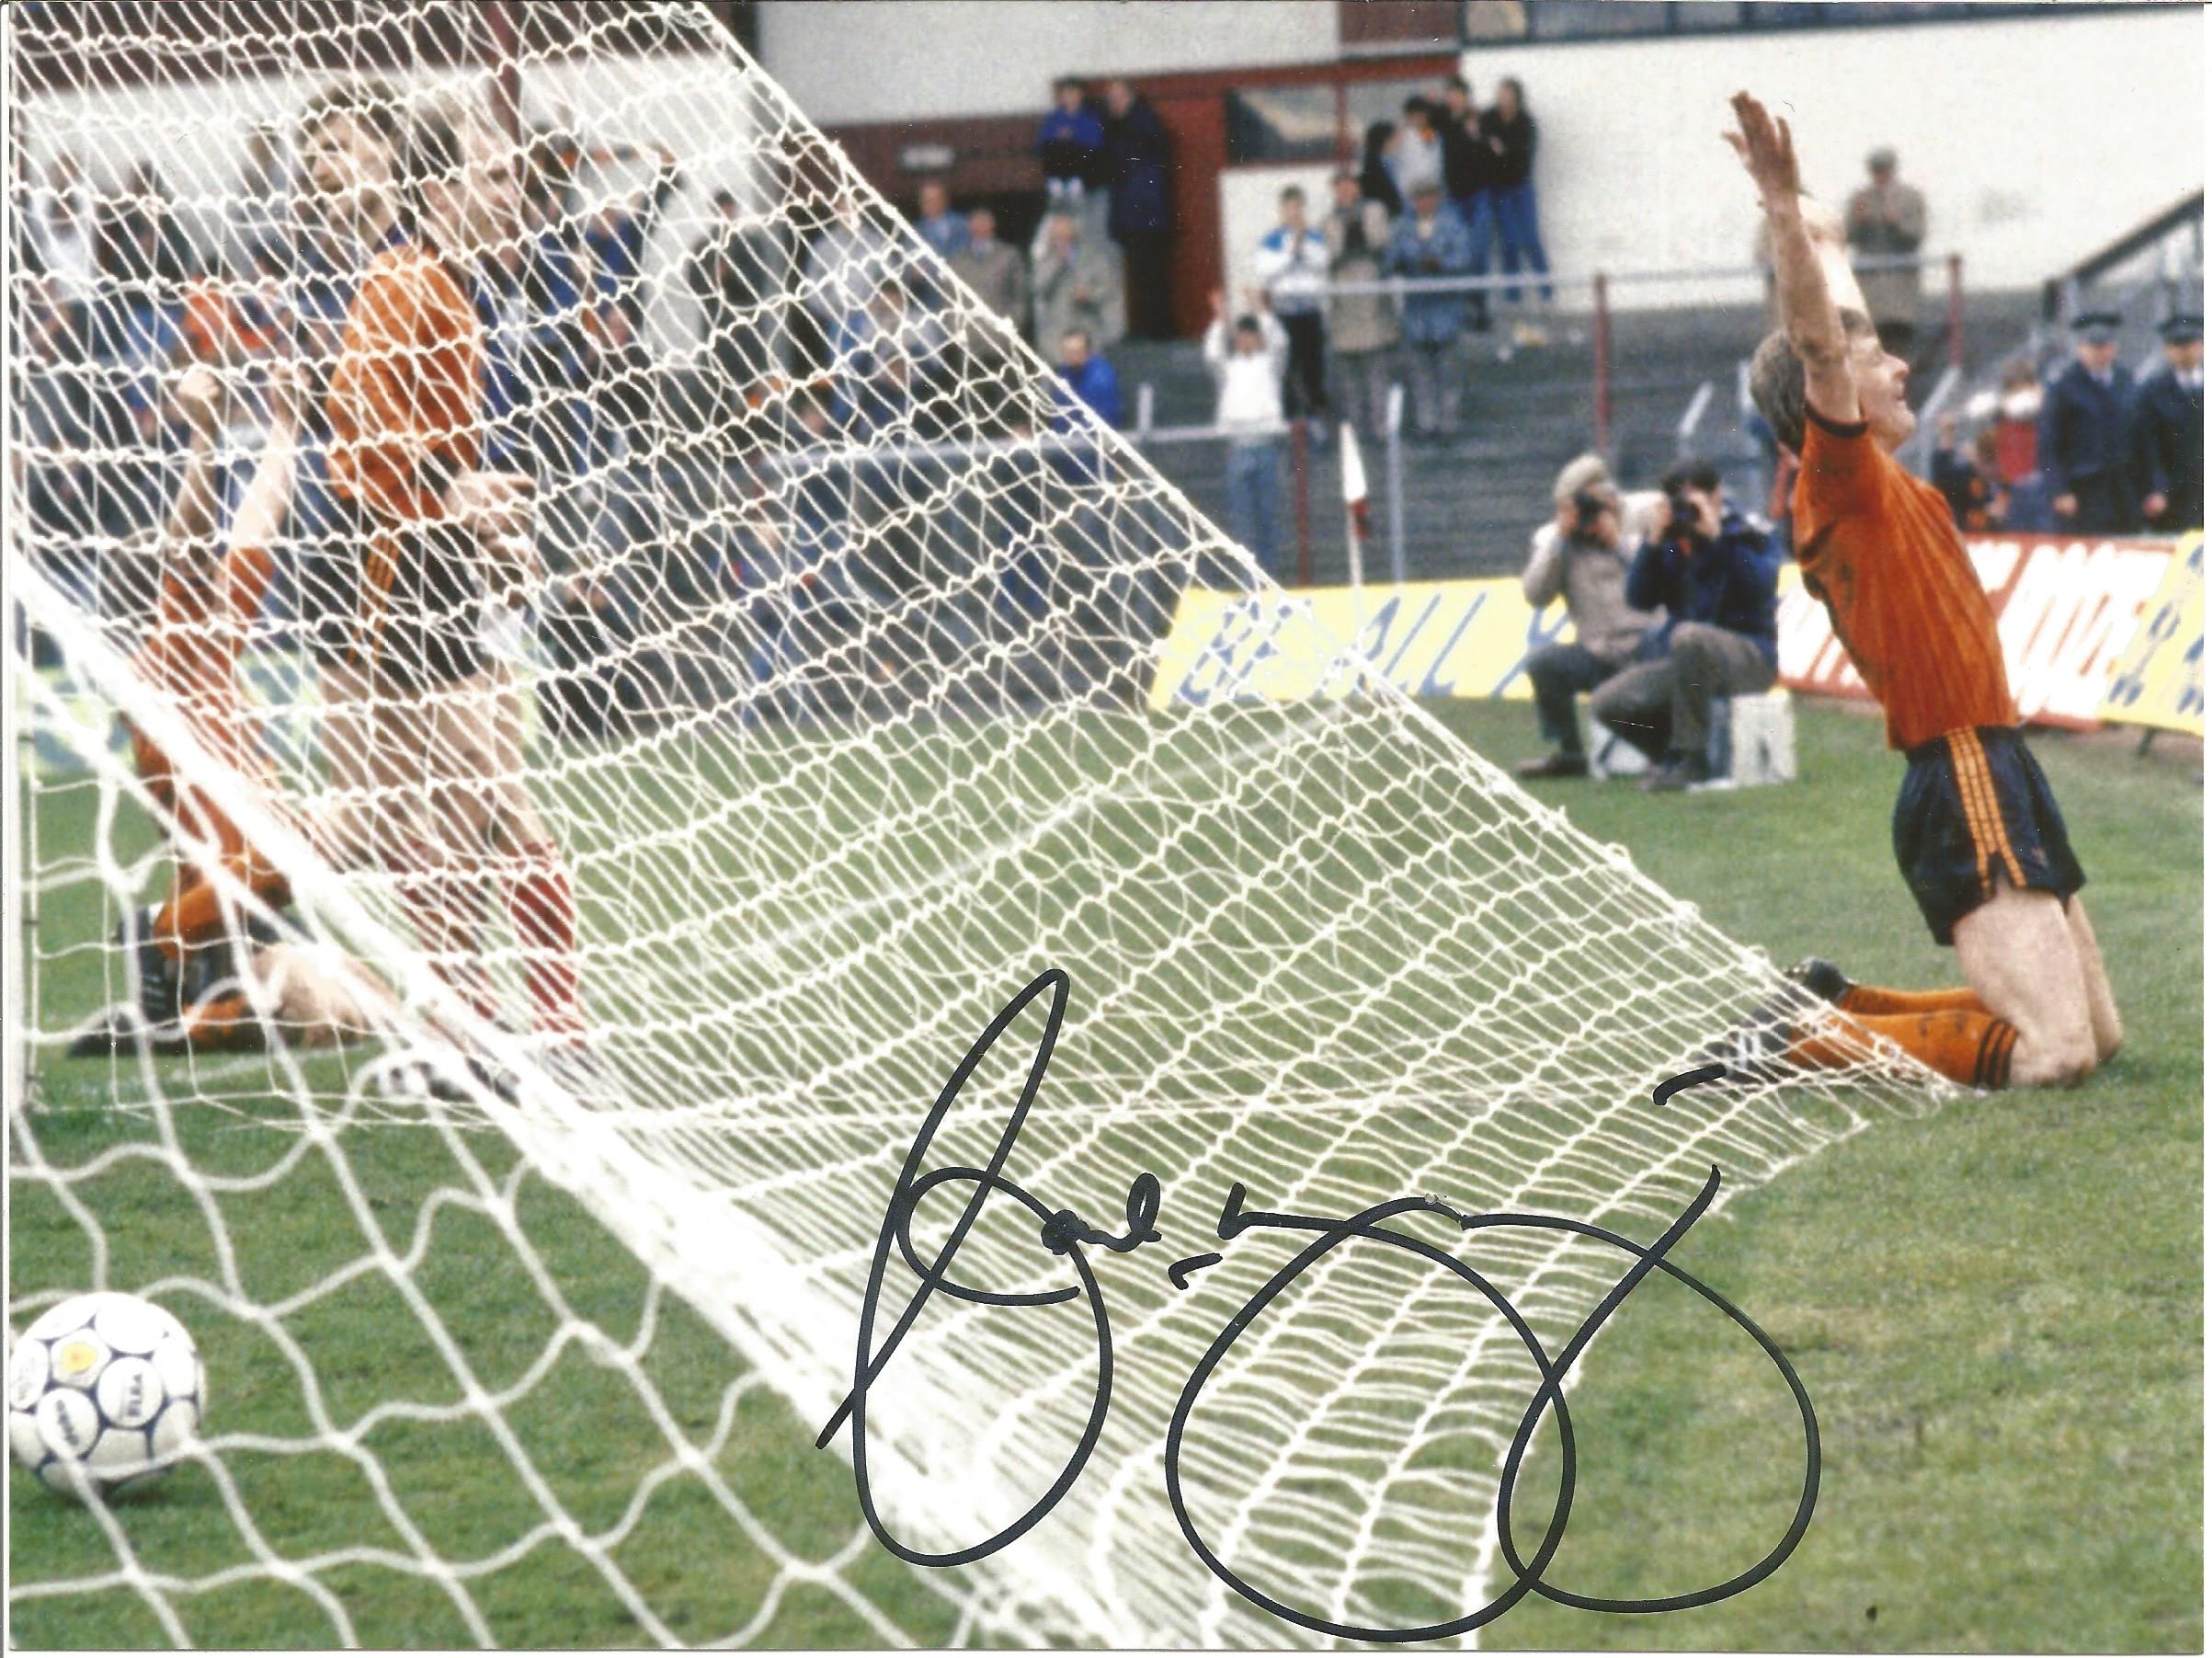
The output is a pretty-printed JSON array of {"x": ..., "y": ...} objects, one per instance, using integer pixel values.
[{"x": 818, "y": 671}]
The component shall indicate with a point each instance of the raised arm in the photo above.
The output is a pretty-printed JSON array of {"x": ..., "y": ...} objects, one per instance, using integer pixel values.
[
  {"x": 1808, "y": 301},
  {"x": 198, "y": 396},
  {"x": 262, "y": 509}
]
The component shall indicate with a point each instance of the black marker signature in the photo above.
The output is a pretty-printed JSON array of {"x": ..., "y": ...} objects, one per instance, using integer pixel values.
[{"x": 1064, "y": 1234}]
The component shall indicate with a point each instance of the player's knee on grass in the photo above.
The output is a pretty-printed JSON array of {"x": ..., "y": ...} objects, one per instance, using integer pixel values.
[{"x": 2021, "y": 959}]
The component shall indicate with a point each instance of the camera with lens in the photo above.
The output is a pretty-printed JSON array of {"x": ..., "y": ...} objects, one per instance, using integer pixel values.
[
  {"x": 1589, "y": 507},
  {"x": 1681, "y": 514}
]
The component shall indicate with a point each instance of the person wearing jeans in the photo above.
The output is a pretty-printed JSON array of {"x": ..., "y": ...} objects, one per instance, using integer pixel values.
[
  {"x": 1430, "y": 242},
  {"x": 1248, "y": 374},
  {"x": 1510, "y": 134}
]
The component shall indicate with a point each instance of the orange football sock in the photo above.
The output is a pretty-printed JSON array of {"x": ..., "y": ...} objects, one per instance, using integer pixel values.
[
  {"x": 1872, "y": 998},
  {"x": 1967, "y": 1045}
]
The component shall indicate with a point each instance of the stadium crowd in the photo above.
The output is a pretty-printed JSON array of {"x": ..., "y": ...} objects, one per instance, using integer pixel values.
[{"x": 821, "y": 295}]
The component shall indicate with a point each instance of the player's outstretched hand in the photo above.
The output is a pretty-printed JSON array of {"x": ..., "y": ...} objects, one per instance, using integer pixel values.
[
  {"x": 198, "y": 396},
  {"x": 1763, "y": 144}
]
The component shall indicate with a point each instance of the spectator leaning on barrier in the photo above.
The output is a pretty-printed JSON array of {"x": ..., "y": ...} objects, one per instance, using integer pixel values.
[
  {"x": 1077, "y": 284},
  {"x": 994, "y": 269},
  {"x": 2170, "y": 431},
  {"x": 2085, "y": 442},
  {"x": 1248, "y": 374},
  {"x": 1138, "y": 217},
  {"x": 1583, "y": 555},
  {"x": 1430, "y": 242},
  {"x": 1293, "y": 267},
  {"x": 1713, "y": 571},
  {"x": 1886, "y": 219},
  {"x": 1362, "y": 328}
]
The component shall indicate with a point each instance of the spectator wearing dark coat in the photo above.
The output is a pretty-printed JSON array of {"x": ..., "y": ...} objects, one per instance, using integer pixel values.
[
  {"x": 2170, "y": 431},
  {"x": 1713, "y": 571},
  {"x": 727, "y": 277},
  {"x": 1377, "y": 182},
  {"x": 1138, "y": 215},
  {"x": 1470, "y": 173},
  {"x": 2085, "y": 444}
]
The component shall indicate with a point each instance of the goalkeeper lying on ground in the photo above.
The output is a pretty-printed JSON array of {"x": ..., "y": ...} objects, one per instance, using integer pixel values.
[
  {"x": 208, "y": 978},
  {"x": 1977, "y": 833}
]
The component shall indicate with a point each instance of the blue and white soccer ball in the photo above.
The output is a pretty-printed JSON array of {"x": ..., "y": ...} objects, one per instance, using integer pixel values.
[{"x": 105, "y": 1390}]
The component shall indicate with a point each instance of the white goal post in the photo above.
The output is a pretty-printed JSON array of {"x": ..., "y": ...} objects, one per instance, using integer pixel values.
[{"x": 711, "y": 806}]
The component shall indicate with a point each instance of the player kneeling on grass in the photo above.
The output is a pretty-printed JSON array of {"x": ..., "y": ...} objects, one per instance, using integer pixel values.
[
  {"x": 206, "y": 591},
  {"x": 1977, "y": 833}
]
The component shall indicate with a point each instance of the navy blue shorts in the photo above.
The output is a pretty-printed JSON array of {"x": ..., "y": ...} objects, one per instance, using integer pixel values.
[{"x": 1975, "y": 806}]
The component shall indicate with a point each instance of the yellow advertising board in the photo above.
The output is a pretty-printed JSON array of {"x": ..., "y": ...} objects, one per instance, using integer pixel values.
[
  {"x": 1428, "y": 638},
  {"x": 2158, "y": 677}
]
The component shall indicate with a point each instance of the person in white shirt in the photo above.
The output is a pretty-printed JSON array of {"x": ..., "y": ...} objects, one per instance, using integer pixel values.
[
  {"x": 1246, "y": 365},
  {"x": 1293, "y": 267}
]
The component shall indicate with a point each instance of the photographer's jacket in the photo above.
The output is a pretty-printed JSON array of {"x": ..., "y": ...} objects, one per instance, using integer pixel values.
[
  {"x": 1728, "y": 583},
  {"x": 1594, "y": 579}
]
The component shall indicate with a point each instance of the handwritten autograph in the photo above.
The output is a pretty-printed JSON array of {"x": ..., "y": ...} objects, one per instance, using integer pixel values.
[{"x": 1066, "y": 1235}]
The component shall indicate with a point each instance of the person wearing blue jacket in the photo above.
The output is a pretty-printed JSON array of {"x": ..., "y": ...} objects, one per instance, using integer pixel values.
[
  {"x": 1712, "y": 571},
  {"x": 1428, "y": 243}
]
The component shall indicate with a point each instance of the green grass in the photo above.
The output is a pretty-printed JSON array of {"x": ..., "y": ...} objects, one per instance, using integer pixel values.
[{"x": 1997, "y": 1311}]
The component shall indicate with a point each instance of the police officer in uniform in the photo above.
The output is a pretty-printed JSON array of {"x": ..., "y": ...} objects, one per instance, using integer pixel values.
[
  {"x": 2169, "y": 430},
  {"x": 2086, "y": 443}
]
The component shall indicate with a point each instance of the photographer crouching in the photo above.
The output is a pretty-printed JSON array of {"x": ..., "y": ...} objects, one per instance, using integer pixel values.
[
  {"x": 1712, "y": 571},
  {"x": 1584, "y": 554}
]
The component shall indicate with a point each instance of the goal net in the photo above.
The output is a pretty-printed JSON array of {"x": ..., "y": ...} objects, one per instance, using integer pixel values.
[{"x": 597, "y": 879}]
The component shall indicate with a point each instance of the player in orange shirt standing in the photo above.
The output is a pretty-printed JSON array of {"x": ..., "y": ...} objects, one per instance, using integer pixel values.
[
  {"x": 443, "y": 538},
  {"x": 1977, "y": 833}
]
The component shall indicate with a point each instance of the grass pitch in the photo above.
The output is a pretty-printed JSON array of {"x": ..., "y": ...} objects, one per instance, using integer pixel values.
[{"x": 1997, "y": 1312}]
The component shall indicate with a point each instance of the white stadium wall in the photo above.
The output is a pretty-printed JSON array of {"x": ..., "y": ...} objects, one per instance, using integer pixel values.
[
  {"x": 2036, "y": 139},
  {"x": 854, "y": 61}
]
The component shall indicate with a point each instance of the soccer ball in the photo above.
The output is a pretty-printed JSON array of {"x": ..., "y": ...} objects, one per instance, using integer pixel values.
[{"x": 103, "y": 1390}]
